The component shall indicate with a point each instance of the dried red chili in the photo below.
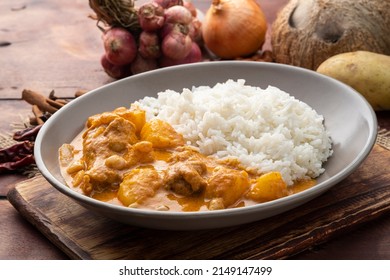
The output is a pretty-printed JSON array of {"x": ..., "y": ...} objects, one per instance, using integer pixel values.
[
  {"x": 15, "y": 165},
  {"x": 29, "y": 133},
  {"x": 16, "y": 156}
]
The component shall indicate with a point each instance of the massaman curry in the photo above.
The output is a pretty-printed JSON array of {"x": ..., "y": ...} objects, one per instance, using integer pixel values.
[{"x": 123, "y": 159}]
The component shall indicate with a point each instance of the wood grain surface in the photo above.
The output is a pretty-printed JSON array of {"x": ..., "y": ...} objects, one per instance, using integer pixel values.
[
  {"x": 49, "y": 41},
  {"x": 20, "y": 240},
  {"x": 54, "y": 45},
  {"x": 81, "y": 234}
]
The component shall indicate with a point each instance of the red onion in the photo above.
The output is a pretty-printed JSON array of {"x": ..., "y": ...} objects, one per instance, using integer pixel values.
[
  {"x": 170, "y": 27},
  {"x": 195, "y": 55},
  {"x": 178, "y": 14},
  {"x": 120, "y": 46},
  {"x": 141, "y": 64},
  {"x": 149, "y": 45},
  {"x": 191, "y": 7},
  {"x": 151, "y": 16},
  {"x": 176, "y": 45},
  {"x": 114, "y": 71}
]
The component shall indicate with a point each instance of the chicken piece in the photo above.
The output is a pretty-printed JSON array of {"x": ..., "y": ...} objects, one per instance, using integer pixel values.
[
  {"x": 183, "y": 153},
  {"x": 105, "y": 144},
  {"x": 100, "y": 119},
  {"x": 122, "y": 131},
  {"x": 66, "y": 154},
  {"x": 185, "y": 178},
  {"x": 135, "y": 115},
  {"x": 107, "y": 139},
  {"x": 230, "y": 162},
  {"x": 161, "y": 134},
  {"x": 226, "y": 186},
  {"x": 138, "y": 185},
  {"x": 269, "y": 186}
]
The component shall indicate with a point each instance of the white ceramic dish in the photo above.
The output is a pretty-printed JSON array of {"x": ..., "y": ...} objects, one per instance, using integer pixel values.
[{"x": 348, "y": 117}]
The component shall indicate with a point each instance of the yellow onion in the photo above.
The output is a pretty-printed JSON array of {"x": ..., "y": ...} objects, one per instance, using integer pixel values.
[{"x": 234, "y": 28}]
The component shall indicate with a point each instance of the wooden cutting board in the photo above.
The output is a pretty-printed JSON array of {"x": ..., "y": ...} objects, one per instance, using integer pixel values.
[{"x": 81, "y": 234}]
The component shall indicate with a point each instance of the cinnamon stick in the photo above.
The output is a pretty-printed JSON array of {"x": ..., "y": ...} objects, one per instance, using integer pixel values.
[
  {"x": 54, "y": 103},
  {"x": 62, "y": 101},
  {"x": 38, "y": 114},
  {"x": 38, "y": 99}
]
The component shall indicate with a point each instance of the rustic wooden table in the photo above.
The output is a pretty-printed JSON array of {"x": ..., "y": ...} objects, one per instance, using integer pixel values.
[{"x": 46, "y": 45}]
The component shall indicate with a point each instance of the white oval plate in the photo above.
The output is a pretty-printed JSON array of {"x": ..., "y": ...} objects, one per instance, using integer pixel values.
[{"x": 349, "y": 119}]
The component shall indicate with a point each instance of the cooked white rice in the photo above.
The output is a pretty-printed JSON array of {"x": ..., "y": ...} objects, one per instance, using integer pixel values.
[{"x": 266, "y": 129}]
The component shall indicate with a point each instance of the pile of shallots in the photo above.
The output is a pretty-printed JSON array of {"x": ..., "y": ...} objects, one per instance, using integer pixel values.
[{"x": 169, "y": 34}]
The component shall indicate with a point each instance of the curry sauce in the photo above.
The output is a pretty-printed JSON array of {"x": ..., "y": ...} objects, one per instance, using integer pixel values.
[{"x": 123, "y": 159}]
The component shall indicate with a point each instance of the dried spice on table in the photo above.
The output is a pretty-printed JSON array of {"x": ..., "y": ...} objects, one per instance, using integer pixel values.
[
  {"x": 20, "y": 155},
  {"x": 28, "y": 134},
  {"x": 16, "y": 156}
]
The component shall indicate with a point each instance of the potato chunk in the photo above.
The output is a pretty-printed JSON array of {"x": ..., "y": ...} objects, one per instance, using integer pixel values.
[
  {"x": 134, "y": 115},
  {"x": 161, "y": 134},
  {"x": 269, "y": 186},
  {"x": 138, "y": 185},
  {"x": 227, "y": 184}
]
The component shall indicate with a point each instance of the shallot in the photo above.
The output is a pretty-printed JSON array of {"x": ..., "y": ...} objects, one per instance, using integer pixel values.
[
  {"x": 169, "y": 27},
  {"x": 149, "y": 45},
  {"x": 195, "y": 55},
  {"x": 112, "y": 70},
  {"x": 178, "y": 14},
  {"x": 141, "y": 64},
  {"x": 120, "y": 46},
  {"x": 191, "y": 7},
  {"x": 176, "y": 45},
  {"x": 151, "y": 16},
  {"x": 162, "y": 33}
]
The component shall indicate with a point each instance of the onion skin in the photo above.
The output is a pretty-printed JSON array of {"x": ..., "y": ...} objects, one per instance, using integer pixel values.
[{"x": 234, "y": 28}]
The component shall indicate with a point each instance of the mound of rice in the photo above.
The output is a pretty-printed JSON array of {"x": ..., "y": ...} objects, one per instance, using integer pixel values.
[{"x": 266, "y": 129}]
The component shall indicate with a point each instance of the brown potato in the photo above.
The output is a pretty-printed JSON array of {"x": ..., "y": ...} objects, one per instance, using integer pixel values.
[{"x": 366, "y": 72}]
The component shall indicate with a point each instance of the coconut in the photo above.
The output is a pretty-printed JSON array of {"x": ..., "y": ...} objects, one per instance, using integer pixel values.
[{"x": 307, "y": 32}]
